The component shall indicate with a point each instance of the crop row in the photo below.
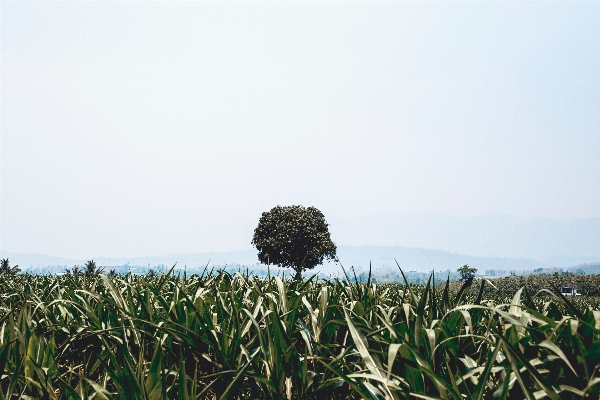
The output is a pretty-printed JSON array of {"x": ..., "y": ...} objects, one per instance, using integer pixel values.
[{"x": 233, "y": 336}]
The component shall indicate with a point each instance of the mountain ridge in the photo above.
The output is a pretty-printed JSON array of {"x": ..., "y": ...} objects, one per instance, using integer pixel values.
[
  {"x": 409, "y": 258},
  {"x": 488, "y": 235},
  {"x": 426, "y": 240}
]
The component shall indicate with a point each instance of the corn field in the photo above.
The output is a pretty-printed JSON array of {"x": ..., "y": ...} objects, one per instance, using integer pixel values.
[
  {"x": 234, "y": 336},
  {"x": 586, "y": 284}
]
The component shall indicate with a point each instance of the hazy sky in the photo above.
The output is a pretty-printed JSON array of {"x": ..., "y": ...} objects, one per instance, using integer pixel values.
[{"x": 133, "y": 128}]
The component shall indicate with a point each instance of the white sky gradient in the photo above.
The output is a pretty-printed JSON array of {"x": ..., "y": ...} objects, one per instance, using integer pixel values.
[{"x": 141, "y": 128}]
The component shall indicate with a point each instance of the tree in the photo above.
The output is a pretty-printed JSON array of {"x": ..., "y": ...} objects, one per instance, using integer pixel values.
[
  {"x": 293, "y": 236},
  {"x": 466, "y": 273},
  {"x": 151, "y": 273},
  {"x": 91, "y": 269},
  {"x": 75, "y": 270},
  {"x": 5, "y": 267}
]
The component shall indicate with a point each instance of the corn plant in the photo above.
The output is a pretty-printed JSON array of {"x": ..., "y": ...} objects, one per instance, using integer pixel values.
[{"x": 235, "y": 336}]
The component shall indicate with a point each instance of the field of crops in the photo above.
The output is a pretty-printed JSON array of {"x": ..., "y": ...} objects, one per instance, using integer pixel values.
[
  {"x": 586, "y": 284},
  {"x": 225, "y": 336}
]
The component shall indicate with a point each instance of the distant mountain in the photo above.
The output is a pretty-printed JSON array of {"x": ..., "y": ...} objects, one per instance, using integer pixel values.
[
  {"x": 422, "y": 241},
  {"x": 196, "y": 260},
  {"x": 593, "y": 268},
  {"x": 350, "y": 256},
  {"x": 423, "y": 260},
  {"x": 560, "y": 243}
]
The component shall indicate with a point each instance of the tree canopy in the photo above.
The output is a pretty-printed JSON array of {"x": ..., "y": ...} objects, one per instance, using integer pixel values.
[
  {"x": 293, "y": 236},
  {"x": 466, "y": 272},
  {"x": 5, "y": 267}
]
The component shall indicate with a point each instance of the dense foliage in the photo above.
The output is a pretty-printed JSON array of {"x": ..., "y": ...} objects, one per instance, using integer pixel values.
[
  {"x": 226, "y": 336},
  {"x": 5, "y": 267},
  {"x": 587, "y": 285},
  {"x": 466, "y": 273},
  {"x": 293, "y": 236}
]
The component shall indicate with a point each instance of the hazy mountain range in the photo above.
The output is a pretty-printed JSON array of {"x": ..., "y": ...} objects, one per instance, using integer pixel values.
[
  {"x": 350, "y": 256},
  {"x": 420, "y": 242},
  {"x": 380, "y": 257},
  {"x": 492, "y": 235}
]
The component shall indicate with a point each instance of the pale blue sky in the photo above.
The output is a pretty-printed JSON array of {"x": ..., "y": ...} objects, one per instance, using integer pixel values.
[{"x": 134, "y": 128}]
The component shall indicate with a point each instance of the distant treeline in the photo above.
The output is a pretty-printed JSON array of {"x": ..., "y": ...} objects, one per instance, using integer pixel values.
[{"x": 586, "y": 284}]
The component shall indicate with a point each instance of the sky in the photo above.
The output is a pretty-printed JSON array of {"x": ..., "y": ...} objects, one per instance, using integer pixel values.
[{"x": 148, "y": 128}]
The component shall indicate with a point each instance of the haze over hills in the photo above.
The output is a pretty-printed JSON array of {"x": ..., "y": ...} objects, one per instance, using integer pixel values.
[
  {"x": 492, "y": 235},
  {"x": 419, "y": 242},
  {"x": 381, "y": 257}
]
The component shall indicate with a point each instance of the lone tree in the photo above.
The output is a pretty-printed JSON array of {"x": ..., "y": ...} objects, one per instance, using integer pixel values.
[
  {"x": 5, "y": 267},
  {"x": 91, "y": 269},
  {"x": 466, "y": 273},
  {"x": 293, "y": 236}
]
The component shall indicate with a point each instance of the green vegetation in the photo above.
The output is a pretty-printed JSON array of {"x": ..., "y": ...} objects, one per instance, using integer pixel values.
[
  {"x": 89, "y": 269},
  {"x": 5, "y": 267},
  {"x": 234, "y": 336},
  {"x": 466, "y": 273},
  {"x": 587, "y": 285},
  {"x": 293, "y": 237}
]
